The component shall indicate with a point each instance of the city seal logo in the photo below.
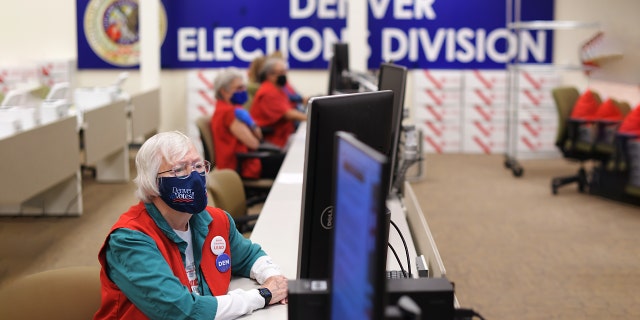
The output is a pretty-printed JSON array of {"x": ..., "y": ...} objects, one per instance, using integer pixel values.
[{"x": 112, "y": 31}]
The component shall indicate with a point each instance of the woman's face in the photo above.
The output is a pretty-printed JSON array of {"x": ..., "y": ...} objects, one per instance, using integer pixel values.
[
  {"x": 236, "y": 85},
  {"x": 278, "y": 69}
]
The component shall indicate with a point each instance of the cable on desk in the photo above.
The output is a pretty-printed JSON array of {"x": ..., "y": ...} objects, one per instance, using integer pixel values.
[
  {"x": 404, "y": 272},
  {"x": 406, "y": 249}
]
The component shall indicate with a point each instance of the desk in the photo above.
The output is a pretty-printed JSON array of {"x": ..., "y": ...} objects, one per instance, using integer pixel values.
[
  {"x": 277, "y": 229},
  {"x": 43, "y": 168},
  {"x": 105, "y": 141},
  {"x": 145, "y": 113}
]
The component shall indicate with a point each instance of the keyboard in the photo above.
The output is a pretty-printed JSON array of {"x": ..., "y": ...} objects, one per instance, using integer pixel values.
[{"x": 396, "y": 274}]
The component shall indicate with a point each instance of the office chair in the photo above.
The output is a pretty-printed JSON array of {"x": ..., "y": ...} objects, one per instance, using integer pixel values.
[
  {"x": 252, "y": 88},
  {"x": 71, "y": 293},
  {"x": 567, "y": 138},
  {"x": 227, "y": 193},
  {"x": 633, "y": 156},
  {"x": 254, "y": 188},
  {"x": 604, "y": 147}
]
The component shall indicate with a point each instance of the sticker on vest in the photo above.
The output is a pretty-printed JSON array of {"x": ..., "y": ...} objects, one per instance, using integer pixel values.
[
  {"x": 223, "y": 262},
  {"x": 218, "y": 245}
]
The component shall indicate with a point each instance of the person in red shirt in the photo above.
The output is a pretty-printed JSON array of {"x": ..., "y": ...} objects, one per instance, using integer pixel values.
[
  {"x": 230, "y": 126},
  {"x": 271, "y": 106}
]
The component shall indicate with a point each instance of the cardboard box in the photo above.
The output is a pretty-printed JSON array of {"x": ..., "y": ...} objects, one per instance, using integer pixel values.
[
  {"x": 438, "y": 113},
  {"x": 485, "y": 79},
  {"x": 437, "y": 97},
  {"x": 437, "y": 79},
  {"x": 440, "y": 136}
]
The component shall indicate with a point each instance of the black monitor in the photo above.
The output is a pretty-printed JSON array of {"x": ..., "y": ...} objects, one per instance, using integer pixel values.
[
  {"x": 359, "y": 255},
  {"x": 338, "y": 64},
  {"x": 368, "y": 116},
  {"x": 394, "y": 77}
]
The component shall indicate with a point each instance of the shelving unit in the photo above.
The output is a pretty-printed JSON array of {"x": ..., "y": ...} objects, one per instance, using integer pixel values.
[{"x": 531, "y": 114}]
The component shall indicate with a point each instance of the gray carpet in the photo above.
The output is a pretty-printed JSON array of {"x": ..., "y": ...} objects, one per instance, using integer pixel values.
[{"x": 512, "y": 249}]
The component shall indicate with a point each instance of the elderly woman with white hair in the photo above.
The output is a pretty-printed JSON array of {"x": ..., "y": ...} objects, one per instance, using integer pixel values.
[{"x": 170, "y": 255}]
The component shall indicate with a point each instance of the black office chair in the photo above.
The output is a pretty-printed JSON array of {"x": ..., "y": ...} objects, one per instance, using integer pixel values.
[
  {"x": 604, "y": 147},
  {"x": 568, "y": 138}
]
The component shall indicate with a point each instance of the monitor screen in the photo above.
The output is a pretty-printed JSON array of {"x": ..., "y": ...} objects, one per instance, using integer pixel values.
[
  {"x": 359, "y": 243},
  {"x": 394, "y": 77},
  {"x": 338, "y": 83},
  {"x": 367, "y": 116}
]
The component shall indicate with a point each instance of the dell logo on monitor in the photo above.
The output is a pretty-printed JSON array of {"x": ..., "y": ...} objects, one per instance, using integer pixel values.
[{"x": 326, "y": 218}]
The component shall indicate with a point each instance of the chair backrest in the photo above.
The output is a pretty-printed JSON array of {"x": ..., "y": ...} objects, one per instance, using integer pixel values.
[
  {"x": 227, "y": 191},
  {"x": 204, "y": 127},
  {"x": 71, "y": 293},
  {"x": 565, "y": 98},
  {"x": 624, "y": 107},
  {"x": 252, "y": 88}
]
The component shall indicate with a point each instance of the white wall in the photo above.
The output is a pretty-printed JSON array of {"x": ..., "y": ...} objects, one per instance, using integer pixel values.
[
  {"x": 618, "y": 19},
  {"x": 46, "y": 30}
]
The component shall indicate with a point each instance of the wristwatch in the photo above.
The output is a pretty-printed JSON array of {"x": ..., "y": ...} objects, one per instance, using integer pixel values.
[{"x": 266, "y": 294}]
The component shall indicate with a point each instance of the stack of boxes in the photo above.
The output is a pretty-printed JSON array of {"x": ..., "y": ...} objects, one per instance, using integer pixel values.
[
  {"x": 537, "y": 118},
  {"x": 485, "y": 111},
  {"x": 476, "y": 111},
  {"x": 438, "y": 109}
]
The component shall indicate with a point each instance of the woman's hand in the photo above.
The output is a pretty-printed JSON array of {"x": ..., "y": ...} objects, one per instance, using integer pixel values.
[{"x": 279, "y": 289}]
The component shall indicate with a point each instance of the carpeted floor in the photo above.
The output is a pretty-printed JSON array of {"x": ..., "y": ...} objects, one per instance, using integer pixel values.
[{"x": 512, "y": 249}]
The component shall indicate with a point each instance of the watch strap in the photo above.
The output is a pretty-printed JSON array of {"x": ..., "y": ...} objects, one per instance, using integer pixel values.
[{"x": 266, "y": 294}]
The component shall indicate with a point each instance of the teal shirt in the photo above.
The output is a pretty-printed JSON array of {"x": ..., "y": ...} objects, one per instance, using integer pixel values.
[{"x": 137, "y": 267}]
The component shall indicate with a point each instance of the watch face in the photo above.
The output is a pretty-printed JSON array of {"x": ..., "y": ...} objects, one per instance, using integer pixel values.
[{"x": 266, "y": 294}]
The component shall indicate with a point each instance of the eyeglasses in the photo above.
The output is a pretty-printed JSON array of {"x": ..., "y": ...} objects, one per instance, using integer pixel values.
[{"x": 181, "y": 171}]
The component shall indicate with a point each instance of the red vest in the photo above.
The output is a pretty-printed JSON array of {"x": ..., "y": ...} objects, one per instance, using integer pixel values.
[
  {"x": 115, "y": 305},
  {"x": 268, "y": 108}
]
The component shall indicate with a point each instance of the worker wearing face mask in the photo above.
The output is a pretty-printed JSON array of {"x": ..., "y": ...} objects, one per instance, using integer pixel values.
[
  {"x": 271, "y": 108},
  {"x": 171, "y": 256}
]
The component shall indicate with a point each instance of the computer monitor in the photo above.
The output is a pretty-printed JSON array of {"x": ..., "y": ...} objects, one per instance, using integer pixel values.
[
  {"x": 359, "y": 255},
  {"x": 339, "y": 63},
  {"x": 368, "y": 116},
  {"x": 394, "y": 77}
]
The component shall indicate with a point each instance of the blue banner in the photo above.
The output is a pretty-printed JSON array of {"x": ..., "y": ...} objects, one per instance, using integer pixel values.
[
  {"x": 461, "y": 34},
  {"x": 451, "y": 34}
]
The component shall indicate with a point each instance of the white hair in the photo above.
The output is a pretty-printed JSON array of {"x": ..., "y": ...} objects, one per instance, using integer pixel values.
[
  {"x": 224, "y": 79},
  {"x": 165, "y": 146},
  {"x": 269, "y": 65}
]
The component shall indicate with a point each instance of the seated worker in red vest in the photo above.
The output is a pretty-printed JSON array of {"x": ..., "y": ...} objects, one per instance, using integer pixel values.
[
  {"x": 271, "y": 106},
  {"x": 171, "y": 256},
  {"x": 297, "y": 100},
  {"x": 232, "y": 128}
]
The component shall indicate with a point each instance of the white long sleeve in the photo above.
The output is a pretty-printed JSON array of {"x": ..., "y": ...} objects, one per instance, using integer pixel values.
[
  {"x": 238, "y": 302},
  {"x": 264, "y": 268}
]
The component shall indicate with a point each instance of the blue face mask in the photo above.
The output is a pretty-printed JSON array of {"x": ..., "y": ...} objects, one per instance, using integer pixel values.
[
  {"x": 240, "y": 97},
  {"x": 185, "y": 195}
]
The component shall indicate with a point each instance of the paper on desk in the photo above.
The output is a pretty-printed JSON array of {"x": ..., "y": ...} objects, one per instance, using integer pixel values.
[{"x": 289, "y": 178}]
